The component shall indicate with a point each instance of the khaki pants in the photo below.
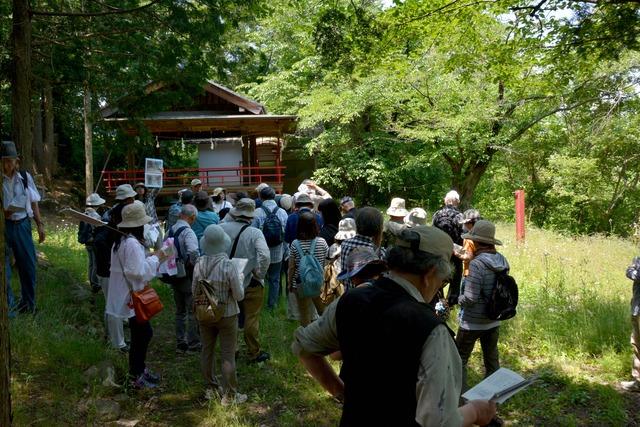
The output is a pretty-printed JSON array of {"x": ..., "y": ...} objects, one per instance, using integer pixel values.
[
  {"x": 635, "y": 343},
  {"x": 252, "y": 306},
  {"x": 227, "y": 330},
  {"x": 307, "y": 307}
]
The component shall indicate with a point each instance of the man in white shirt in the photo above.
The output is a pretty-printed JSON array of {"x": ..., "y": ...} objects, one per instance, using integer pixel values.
[
  {"x": 252, "y": 246},
  {"x": 20, "y": 203}
]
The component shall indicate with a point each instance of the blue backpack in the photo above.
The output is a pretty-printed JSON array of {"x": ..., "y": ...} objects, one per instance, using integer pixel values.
[
  {"x": 272, "y": 227},
  {"x": 310, "y": 271}
]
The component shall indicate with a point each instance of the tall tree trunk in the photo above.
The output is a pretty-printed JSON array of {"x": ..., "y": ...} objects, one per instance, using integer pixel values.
[
  {"x": 48, "y": 143},
  {"x": 38, "y": 149},
  {"x": 21, "y": 81},
  {"x": 5, "y": 347},
  {"x": 88, "y": 141},
  {"x": 467, "y": 181}
]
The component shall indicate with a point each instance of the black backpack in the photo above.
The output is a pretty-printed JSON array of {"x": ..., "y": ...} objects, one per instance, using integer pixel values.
[
  {"x": 448, "y": 219},
  {"x": 272, "y": 228},
  {"x": 502, "y": 302}
]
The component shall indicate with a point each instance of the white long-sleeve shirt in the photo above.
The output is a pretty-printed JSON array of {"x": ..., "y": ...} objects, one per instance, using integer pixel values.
[
  {"x": 251, "y": 246},
  {"x": 128, "y": 260}
]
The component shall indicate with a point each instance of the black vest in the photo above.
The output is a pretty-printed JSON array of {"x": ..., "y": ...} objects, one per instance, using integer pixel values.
[{"x": 381, "y": 329}]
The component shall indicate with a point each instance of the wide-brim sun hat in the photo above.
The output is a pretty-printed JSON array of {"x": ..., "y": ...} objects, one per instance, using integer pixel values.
[
  {"x": 214, "y": 240},
  {"x": 9, "y": 150},
  {"x": 125, "y": 191},
  {"x": 397, "y": 208},
  {"x": 483, "y": 231},
  {"x": 244, "y": 208},
  {"x": 346, "y": 229},
  {"x": 416, "y": 217},
  {"x": 134, "y": 215},
  {"x": 95, "y": 200},
  {"x": 217, "y": 191},
  {"x": 362, "y": 260}
]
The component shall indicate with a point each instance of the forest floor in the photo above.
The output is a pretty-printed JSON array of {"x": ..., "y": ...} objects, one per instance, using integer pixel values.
[{"x": 572, "y": 329}]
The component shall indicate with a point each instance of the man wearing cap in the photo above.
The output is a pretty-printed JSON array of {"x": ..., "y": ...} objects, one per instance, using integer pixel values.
[
  {"x": 303, "y": 203},
  {"x": 20, "y": 203},
  {"x": 448, "y": 220},
  {"x": 474, "y": 323},
  {"x": 268, "y": 208},
  {"x": 187, "y": 337},
  {"x": 348, "y": 207},
  {"x": 389, "y": 329},
  {"x": 249, "y": 243},
  {"x": 86, "y": 236},
  {"x": 196, "y": 185}
]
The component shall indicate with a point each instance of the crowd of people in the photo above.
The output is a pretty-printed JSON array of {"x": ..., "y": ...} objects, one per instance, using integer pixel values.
[{"x": 366, "y": 291}]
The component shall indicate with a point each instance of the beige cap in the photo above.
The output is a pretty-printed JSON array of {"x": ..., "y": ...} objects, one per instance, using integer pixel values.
[
  {"x": 244, "y": 208},
  {"x": 134, "y": 215},
  {"x": 429, "y": 239},
  {"x": 217, "y": 191},
  {"x": 397, "y": 208}
]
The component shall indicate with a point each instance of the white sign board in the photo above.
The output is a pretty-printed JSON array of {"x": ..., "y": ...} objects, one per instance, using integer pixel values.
[{"x": 153, "y": 173}]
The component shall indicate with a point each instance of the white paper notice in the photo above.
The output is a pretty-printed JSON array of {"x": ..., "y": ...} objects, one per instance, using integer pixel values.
[
  {"x": 153, "y": 173},
  {"x": 500, "y": 380}
]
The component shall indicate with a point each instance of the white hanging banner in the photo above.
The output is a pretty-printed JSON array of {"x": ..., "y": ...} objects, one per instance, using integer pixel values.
[{"x": 153, "y": 173}]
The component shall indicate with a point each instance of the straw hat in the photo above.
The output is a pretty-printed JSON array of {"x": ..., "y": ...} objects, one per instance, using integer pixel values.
[
  {"x": 397, "y": 208},
  {"x": 125, "y": 191},
  {"x": 195, "y": 182},
  {"x": 286, "y": 201},
  {"x": 9, "y": 150},
  {"x": 415, "y": 217},
  {"x": 95, "y": 200},
  {"x": 244, "y": 208},
  {"x": 484, "y": 232},
  {"x": 217, "y": 191},
  {"x": 134, "y": 215},
  {"x": 361, "y": 260},
  {"x": 346, "y": 229},
  {"x": 214, "y": 240},
  {"x": 426, "y": 239}
]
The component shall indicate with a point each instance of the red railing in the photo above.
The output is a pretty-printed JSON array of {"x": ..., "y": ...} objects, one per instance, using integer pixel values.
[{"x": 239, "y": 176}]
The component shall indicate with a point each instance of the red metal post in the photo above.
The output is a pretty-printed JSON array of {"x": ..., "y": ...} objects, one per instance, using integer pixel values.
[{"x": 519, "y": 194}]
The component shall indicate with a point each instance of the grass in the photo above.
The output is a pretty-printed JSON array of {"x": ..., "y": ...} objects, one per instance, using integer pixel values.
[{"x": 572, "y": 329}]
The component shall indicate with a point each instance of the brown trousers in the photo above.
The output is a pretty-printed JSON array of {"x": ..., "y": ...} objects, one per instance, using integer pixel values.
[
  {"x": 252, "y": 306},
  {"x": 306, "y": 307},
  {"x": 635, "y": 343},
  {"x": 227, "y": 330}
]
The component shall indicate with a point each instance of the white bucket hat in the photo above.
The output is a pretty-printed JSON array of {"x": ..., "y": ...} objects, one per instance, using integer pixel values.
[
  {"x": 134, "y": 215},
  {"x": 416, "y": 217},
  {"x": 397, "y": 208},
  {"x": 95, "y": 200},
  {"x": 346, "y": 229},
  {"x": 125, "y": 191},
  {"x": 214, "y": 240},
  {"x": 286, "y": 201},
  {"x": 244, "y": 208}
]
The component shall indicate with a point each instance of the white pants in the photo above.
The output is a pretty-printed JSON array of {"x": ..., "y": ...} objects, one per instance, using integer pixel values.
[{"x": 114, "y": 325}]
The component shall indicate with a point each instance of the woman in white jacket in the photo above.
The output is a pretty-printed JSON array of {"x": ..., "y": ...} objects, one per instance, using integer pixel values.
[{"x": 130, "y": 267}]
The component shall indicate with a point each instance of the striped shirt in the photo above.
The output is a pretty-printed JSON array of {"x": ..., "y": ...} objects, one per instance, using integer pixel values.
[
  {"x": 322, "y": 249},
  {"x": 224, "y": 277}
]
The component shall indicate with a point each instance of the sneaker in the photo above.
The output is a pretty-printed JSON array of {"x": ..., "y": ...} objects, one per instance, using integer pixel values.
[
  {"x": 141, "y": 383},
  {"x": 182, "y": 347},
  {"x": 237, "y": 399},
  {"x": 262, "y": 357},
  {"x": 630, "y": 385},
  {"x": 151, "y": 376}
]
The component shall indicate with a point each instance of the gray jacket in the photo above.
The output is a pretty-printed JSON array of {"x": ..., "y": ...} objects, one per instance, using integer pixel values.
[
  {"x": 252, "y": 246},
  {"x": 477, "y": 289}
]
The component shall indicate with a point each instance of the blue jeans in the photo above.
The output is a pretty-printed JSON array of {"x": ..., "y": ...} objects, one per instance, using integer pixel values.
[
  {"x": 19, "y": 241},
  {"x": 273, "y": 277}
]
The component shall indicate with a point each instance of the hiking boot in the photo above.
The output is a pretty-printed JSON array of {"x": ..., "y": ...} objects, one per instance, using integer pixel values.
[
  {"x": 182, "y": 347},
  {"x": 237, "y": 399},
  {"x": 194, "y": 348},
  {"x": 141, "y": 383},
  {"x": 150, "y": 376},
  {"x": 630, "y": 385},
  {"x": 262, "y": 357}
]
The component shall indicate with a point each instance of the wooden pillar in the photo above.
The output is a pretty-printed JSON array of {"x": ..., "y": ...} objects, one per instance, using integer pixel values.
[{"x": 88, "y": 141}]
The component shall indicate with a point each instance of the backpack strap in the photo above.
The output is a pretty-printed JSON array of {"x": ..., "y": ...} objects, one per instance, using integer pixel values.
[
  {"x": 312, "y": 249},
  {"x": 296, "y": 243},
  {"x": 235, "y": 242},
  {"x": 176, "y": 242},
  {"x": 25, "y": 180}
]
